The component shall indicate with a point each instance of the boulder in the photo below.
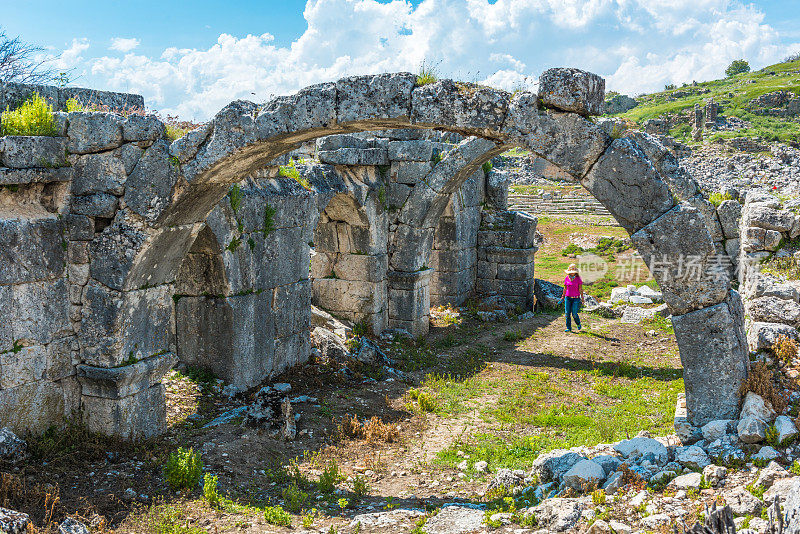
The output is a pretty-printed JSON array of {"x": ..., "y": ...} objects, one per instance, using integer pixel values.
[
  {"x": 774, "y": 310},
  {"x": 12, "y": 448},
  {"x": 771, "y": 473},
  {"x": 715, "y": 474},
  {"x": 558, "y": 514},
  {"x": 693, "y": 457},
  {"x": 72, "y": 526},
  {"x": 716, "y": 429},
  {"x": 688, "y": 481},
  {"x": 455, "y": 520},
  {"x": 547, "y": 293},
  {"x": 12, "y": 522},
  {"x": 638, "y": 299},
  {"x": 791, "y": 507},
  {"x": 552, "y": 465},
  {"x": 751, "y": 429},
  {"x": 331, "y": 347},
  {"x": 766, "y": 453},
  {"x": 755, "y": 406},
  {"x": 638, "y": 447},
  {"x": 730, "y": 216},
  {"x": 607, "y": 462},
  {"x": 570, "y": 89},
  {"x": 742, "y": 502},
  {"x": 613, "y": 482},
  {"x": 763, "y": 335},
  {"x": 649, "y": 292},
  {"x": 584, "y": 473},
  {"x": 787, "y": 431},
  {"x": 619, "y": 294}
]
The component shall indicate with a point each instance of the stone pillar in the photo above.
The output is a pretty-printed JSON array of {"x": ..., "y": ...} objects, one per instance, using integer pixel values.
[
  {"x": 126, "y": 402},
  {"x": 409, "y": 301},
  {"x": 711, "y": 110}
]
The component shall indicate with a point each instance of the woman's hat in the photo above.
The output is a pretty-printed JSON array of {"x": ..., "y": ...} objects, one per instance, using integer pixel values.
[{"x": 572, "y": 269}]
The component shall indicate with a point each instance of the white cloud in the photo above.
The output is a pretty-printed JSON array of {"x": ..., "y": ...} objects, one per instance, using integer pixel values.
[
  {"x": 638, "y": 45},
  {"x": 72, "y": 55},
  {"x": 124, "y": 44}
]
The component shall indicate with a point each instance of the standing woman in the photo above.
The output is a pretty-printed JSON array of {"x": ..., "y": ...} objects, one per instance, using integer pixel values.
[{"x": 573, "y": 296}]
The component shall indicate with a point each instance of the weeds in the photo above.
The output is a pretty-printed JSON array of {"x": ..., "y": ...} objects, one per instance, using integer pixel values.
[
  {"x": 719, "y": 198},
  {"x": 290, "y": 171},
  {"x": 210, "y": 493},
  {"x": 184, "y": 469},
  {"x": 275, "y": 515},
  {"x": 329, "y": 478},
  {"x": 294, "y": 498},
  {"x": 33, "y": 117},
  {"x": 427, "y": 75},
  {"x": 760, "y": 381},
  {"x": 425, "y": 402},
  {"x": 785, "y": 349}
]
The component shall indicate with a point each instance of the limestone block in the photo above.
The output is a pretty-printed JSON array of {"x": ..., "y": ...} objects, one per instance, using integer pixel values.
[
  {"x": 627, "y": 184},
  {"x": 138, "y": 416},
  {"x": 186, "y": 147},
  {"x": 753, "y": 239},
  {"x": 680, "y": 183},
  {"x": 732, "y": 250},
  {"x": 772, "y": 240},
  {"x": 22, "y": 151},
  {"x": 149, "y": 188},
  {"x": 418, "y": 150},
  {"x": 384, "y": 96},
  {"x": 23, "y": 367},
  {"x": 95, "y": 205},
  {"x": 354, "y": 156},
  {"x": 121, "y": 382},
  {"x": 409, "y": 172},
  {"x": 572, "y": 90},
  {"x": 142, "y": 128},
  {"x": 77, "y": 252},
  {"x": 282, "y": 258},
  {"x": 774, "y": 310},
  {"x": 411, "y": 258},
  {"x": 709, "y": 214},
  {"x": 40, "y": 311},
  {"x": 762, "y": 285},
  {"x": 30, "y": 249},
  {"x": 291, "y": 307},
  {"x": 290, "y": 351},
  {"x": 763, "y": 335},
  {"x": 768, "y": 218},
  {"x": 712, "y": 343},
  {"x": 515, "y": 271},
  {"x": 397, "y": 194},
  {"x": 32, "y": 407},
  {"x": 361, "y": 267},
  {"x": 337, "y": 141},
  {"x": 756, "y": 406},
  {"x": 472, "y": 109},
  {"x": 99, "y": 173},
  {"x": 94, "y": 132},
  {"x": 346, "y": 295},
  {"x": 35, "y": 175},
  {"x": 61, "y": 359},
  {"x": 567, "y": 140},
  {"x": 79, "y": 227},
  {"x": 524, "y": 230},
  {"x": 730, "y": 217},
  {"x": 113, "y": 253},
  {"x": 682, "y": 258},
  {"x": 487, "y": 269}
]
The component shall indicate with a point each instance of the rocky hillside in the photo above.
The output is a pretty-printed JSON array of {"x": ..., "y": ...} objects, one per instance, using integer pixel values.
[{"x": 763, "y": 104}]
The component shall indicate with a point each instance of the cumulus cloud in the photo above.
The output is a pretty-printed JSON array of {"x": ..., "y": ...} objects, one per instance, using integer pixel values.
[
  {"x": 124, "y": 44},
  {"x": 638, "y": 45}
]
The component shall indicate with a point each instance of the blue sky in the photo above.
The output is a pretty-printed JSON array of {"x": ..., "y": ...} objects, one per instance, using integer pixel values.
[{"x": 191, "y": 58}]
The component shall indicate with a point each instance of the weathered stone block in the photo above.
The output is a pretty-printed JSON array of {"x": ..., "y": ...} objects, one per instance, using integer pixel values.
[
  {"x": 23, "y": 151},
  {"x": 627, "y": 184},
  {"x": 36, "y": 175},
  {"x": 712, "y": 343},
  {"x": 753, "y": 239},
  {"x": 763, "y": 335},
  {"x": 290, "y": 351},
  {"x": 121, "y": 382},
  {"x": 32, "y": 407},
  {"x": 148, "y": 191},
  {"x": 23, "y": 367},
  {"x": 409, "y": 172},
  {"x": 95, "y": 205},
  {"x": 99, "y": 173},
  {"x": 137, "y": 127},
  {"x": 361, "y": 267},
  {"x": 384, "y": 96},
  {"x": 572, "y": 90},
  {"x": 113, "y": 253},
  {"x": 291, "y": 306},
  {"x": 354, "y": 156},
  {"x": 421, "y": 150},
  {"x": 768, "y": 218},
  {"x": 730, "y": 217},
  {"x": 79, "y": 227},
  {"x": 40, "y": 311},
  {"x": 30, "y": 250},
  {"x": 94, "y": 132},
  {"x": 473, "y": 110},
  {"x": 682, "y": 258},
  {"x": 138, "y": 416},
  {"x": 346, "y": 295},
  {"x": 774, "y": 310}
]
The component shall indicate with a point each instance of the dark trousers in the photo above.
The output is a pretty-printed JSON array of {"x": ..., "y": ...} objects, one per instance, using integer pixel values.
[{"x": 571, "y": 307}]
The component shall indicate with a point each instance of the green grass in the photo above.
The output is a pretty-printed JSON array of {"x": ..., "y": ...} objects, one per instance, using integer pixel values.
[
  {"x": 426, "y": 75},
  {"x": 33, "y": 117},
  {"x": 744, "y": 88}
]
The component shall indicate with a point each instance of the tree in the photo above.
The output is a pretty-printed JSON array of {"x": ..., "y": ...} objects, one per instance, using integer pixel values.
[
  {"x": 738, "y": 66},
  {"x": 24, "y": 63}
]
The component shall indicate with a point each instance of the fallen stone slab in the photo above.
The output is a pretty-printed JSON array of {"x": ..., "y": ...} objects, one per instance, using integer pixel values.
[{"x": 456, "y": 519}]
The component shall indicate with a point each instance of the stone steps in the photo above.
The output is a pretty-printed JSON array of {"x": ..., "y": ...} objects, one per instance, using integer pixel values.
[{"x": 559, "y": 206}]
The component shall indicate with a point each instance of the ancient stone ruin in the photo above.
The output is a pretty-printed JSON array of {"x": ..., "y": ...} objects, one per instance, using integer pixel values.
[{"x": 123, "y": 252}]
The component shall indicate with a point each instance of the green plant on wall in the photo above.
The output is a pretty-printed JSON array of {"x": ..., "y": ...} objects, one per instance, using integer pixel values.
[{"x": 33, "y": 117}]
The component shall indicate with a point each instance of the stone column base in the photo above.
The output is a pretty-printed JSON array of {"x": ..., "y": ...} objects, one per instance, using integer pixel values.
[
  {"x": 126, "y": 402},
  {"x": 410, "y": 301}
]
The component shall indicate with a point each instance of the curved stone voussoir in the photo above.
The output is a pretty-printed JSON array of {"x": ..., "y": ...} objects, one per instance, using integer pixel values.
[
  {"x": 373, "y": 102},
  {"x": 680, "y": 182},
  {"x": 571, "y": 89},
  {"x": 187, "y": 146},
  {"x": 681, "y": 256},
  {"x": 411, "y": 258},
  {"x": 714, "y": 354},
  {"x": 628, "y": 185},
  {"x": 566, "y": 140},
  {"x": 157, "y": 261},
  {"x": 148, "y": 190},
  {"x": 232, "y": 129},
  {"x": 466, "y": 108},
  {"x": 295, "y": 118}
]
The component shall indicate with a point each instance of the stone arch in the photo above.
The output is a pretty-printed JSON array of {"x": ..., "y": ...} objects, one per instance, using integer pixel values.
[{"x": 648, "y": 197}]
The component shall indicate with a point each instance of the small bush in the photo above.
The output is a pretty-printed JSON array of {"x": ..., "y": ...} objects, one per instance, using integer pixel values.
[
  {"x": 376, "y": 431},
  {"x": 294, "y": 498},
  {"x": 512, "y": 335},
  {"x": 425, "y": 401},
  {"x": 719, "y": 198},
  {"x": 785, "y": 348},
  {"x": 73, "y": 105},
  {"x": 487, "y": 167},
  {"x": 795, "y": 468},
  {"x": 275, "y": 515},
  {"x": 290, "y": 171},
  {"x": 599, "y": 497},
  {"x": 760, "y": 381},
  {"x": 329, "y": 477},
  {"x": 771, "y": 436},
  {"x": 184, "y": 469},
  {"x": 33, "y": 117},
  {"x": 572, "y": 248},
  {"x": 427, "y": 75},
  {"x": 210, "y": 493}
]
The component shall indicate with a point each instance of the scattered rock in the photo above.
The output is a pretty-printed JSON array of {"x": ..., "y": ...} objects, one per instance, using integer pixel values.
[
  {"x": 582, "y": 473},
  {"x": 715, "y": 474},
  {"x": 688, "y": 481},
  {"x": 787, "y": 431},
  {"x": 558, "y": 514},
  {"x": 755, "y": 406},
  {"x": 751, "y": 429},
  {"x": 553, "y": 465},
  {"x": 391, "y": 518},
  {"x": 638, "y": 447},
  {"x": 766, "y": 453},
  {"x": 12, "y": 522},
  {"x": 768, "y": 475},
  {"x": 717, "y": 429},
  {"x": 455, "y": 519},
  {"x": 693, "y": 457},
  {"x": 72, "y": 526},
  {"x": 12, "y": 448},
  {"x": 742, "y": 502}
]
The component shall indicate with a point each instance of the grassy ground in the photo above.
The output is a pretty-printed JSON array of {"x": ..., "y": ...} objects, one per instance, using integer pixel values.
[{"x": 733, "y": 94}]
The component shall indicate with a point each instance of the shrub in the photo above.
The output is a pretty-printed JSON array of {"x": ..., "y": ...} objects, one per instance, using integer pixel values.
[
  {"x": 360, "y": 487},
  {"x": 512, "y": 335},
  {"x": 294, "y": 498},
  {"x": 425, "y": 401},
  {"x": 572, "y": 248},
  {"x": 33, "y": 117},
  {"x": 427, "y": 75},
  {"x": 718, "y": 198},
  {"x": 290, "y": 171},
  {"x": 737, "y": 66},
  {"x": 760, "y": 381},
  {"x": 599, "y": 497},
  {"x": 183, "y": 469},
  {"x": 487, "y": 167},
  {"x": 210, "y": 493},
  {"x": 785, "y": 348},
  {"x": 329, "y": 477},
  {"x": 376, "y": 431},
  {"x": 73, "y": 105},
  {"x": 275, "y": 515}
]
